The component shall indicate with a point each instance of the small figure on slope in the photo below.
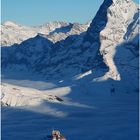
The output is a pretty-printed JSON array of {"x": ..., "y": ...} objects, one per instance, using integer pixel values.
[{"x": 56, "y": 135}]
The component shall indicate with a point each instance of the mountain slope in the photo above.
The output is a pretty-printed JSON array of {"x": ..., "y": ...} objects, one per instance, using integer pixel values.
[
  {"x": 91, "y": 50},
  {"x": 94, "y": 72},
  {"x": 98, "y": 45},
  {"x": 119, "y": 18},
  {"x": 27, "y": 53}
]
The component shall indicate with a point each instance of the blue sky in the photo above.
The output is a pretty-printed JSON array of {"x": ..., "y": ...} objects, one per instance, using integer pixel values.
[{"x": 37, "y": 12}]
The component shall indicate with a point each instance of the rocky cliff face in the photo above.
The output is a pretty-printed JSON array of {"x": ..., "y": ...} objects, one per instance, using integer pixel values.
[
  {"x": 115, "y": 23},
  {"x": 119, "y": 17}
]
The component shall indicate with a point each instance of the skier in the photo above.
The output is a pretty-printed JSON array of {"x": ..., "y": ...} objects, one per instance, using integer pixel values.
[
  {"x": 56, "y": 135},
  {"x": 112, "y": 90}
]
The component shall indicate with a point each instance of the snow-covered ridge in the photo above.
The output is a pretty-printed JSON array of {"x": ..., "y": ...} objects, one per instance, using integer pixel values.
[
  {"x": 10, "y": 24},
  {"x": 15, "y": 33},
  {"x": 119, "y": 17},
  {"x": 115, "y": 23},
  {"x": 21, "y": 96}
]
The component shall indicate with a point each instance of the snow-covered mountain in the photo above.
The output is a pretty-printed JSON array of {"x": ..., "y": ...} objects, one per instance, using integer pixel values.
[
  {"x": 109, "y": 29},
  {"x": 110, "y": 46},
  {"x": 81, "y": 51},
  {"x": 119, "y": 18},
  {"x": 74, "y": 79},
  {"x": 13, "y": 33}
]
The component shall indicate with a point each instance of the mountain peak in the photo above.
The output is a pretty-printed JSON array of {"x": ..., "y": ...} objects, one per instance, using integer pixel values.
[
  {"x": 108, "y": 29},
  {"x": 10, "y": 23}
]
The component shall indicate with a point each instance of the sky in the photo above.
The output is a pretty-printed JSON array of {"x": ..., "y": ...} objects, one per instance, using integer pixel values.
[{"x": 37, "y": 12}]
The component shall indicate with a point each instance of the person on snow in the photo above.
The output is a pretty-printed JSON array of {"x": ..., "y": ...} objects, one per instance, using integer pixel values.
[
  {"x": 56, "y": 135},
  {"x": 112, "y": 90}
]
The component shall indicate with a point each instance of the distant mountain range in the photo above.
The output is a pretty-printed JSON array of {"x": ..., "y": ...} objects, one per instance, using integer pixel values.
[{"x": 55, "y": 31}]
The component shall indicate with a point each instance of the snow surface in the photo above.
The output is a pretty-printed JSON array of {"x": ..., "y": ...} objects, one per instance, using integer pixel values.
[
  {"x": 88, "y": 107},
  {"x": 85, "y": 85}
]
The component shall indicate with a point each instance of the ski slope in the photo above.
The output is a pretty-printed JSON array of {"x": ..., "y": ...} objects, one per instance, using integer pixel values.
[{"x": 87, "y": 112}]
